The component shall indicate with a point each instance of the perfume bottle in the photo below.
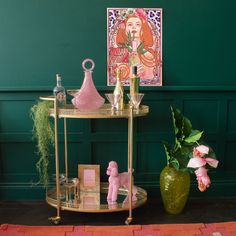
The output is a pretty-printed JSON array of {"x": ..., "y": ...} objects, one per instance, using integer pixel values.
[
  {"x": 134, "y": 81},
  {"x": 59, "y": 92},
  {"x": 119, "y": 92}
]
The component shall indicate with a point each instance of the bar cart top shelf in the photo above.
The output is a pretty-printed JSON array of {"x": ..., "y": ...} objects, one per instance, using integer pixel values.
[{"x": 69, "y": 111}]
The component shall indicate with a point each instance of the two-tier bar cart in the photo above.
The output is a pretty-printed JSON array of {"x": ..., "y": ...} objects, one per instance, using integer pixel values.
[{"x": 105, "y": 112}]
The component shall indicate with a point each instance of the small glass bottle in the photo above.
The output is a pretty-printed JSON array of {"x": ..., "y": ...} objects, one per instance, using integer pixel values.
[
  {"x": 59, "y": 92},
  {"x": 134, "y": 81},
  {"x": 119, "y": 92}
]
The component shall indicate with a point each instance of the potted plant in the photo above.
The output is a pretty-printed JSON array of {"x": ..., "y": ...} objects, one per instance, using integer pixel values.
[
  {"x": 188, "y": 155},
  {"x": 43, "y": 133}
]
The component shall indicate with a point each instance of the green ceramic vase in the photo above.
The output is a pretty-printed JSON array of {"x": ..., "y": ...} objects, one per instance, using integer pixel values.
[{"x": 175, "y": 187}]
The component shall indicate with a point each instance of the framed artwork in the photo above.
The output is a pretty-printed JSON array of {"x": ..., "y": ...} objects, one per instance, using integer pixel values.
[
  {"x": 89, "y": 178},
  {"x": 134, "y": 38}
]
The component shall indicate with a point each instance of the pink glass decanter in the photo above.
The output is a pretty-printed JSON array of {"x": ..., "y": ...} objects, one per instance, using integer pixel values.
[{"x": 88, "y": 97}]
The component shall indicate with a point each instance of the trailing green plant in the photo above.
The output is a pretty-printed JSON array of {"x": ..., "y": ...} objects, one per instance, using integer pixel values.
[{"x": 43, "y": 133}]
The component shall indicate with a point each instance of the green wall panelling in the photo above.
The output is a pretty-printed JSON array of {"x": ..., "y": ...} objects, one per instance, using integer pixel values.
[
  {"x": 207, "y": 118},
  {"x": 103, "y": 152},
  {"x": 109, "y": 125},
  {"x": 231, "y": 127},
  {"x": 198, "y": 45},
  {"x": 230, "y": 161}
]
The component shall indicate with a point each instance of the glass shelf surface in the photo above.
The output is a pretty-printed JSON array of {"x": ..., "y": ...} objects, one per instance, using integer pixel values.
[{"x": 96, "y": 202}]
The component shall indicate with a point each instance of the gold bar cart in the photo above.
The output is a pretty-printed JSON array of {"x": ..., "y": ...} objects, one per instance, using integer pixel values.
[{"x": 105, "y": 112}]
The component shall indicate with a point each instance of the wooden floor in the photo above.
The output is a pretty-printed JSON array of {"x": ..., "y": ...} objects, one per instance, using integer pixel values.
[{"x": 196, "y": 211}]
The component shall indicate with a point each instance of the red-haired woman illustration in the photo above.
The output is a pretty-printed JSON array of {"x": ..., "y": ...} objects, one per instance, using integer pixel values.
[{"x": 135, "y": 34}]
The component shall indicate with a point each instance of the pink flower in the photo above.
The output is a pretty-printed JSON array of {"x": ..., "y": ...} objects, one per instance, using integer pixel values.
[
  {"x": 200, "y": 151},
  {"x": 197, "y": 162},
  {"x": 202, "y": 178},
  {"x": 212, "y": 162},
  {"x": 141, "y": 14}
]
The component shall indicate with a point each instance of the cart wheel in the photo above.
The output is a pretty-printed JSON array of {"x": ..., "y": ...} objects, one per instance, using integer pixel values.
[
  {"x": 55, "y": 220},
  {"x": 128, "y": 221}
]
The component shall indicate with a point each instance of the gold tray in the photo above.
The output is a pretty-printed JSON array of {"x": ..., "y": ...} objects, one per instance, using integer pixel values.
[{"x": 95, "y": 202}]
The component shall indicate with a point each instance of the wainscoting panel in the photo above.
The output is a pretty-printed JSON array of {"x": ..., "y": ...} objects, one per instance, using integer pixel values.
[{"x": 99, "y": 141}]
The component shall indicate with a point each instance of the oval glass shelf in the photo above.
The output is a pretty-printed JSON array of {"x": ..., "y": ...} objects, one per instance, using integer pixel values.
[
  {"x": 104, "y": 112},
  {"x": 96, "y": 202}
]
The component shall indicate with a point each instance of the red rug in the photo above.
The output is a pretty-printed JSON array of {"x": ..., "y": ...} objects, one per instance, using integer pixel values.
[{"x": 214, "y": 229}]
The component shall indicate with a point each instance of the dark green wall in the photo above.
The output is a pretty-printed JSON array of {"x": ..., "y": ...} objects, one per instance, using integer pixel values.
[{"x": 39, "y": 38}]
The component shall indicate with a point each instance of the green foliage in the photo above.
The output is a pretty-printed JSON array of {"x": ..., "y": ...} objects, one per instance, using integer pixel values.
[
  {"x": 186, "y": 138},
  {"x": 43, "y": 133}
]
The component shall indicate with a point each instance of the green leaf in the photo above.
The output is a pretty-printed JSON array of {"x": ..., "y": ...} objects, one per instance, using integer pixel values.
[
  {"x": 168, "y": 151},
  {"x": 128, "y": 47},
  {"x": 187, "y": 127},
  {"x": 177, "y": 119},
  {"x": 129, "y": 37},
  {"x": 194, "y": 136},
  {"x": 174, "y": 162},
  {"x": 177, "y": 144},
  {"x": 141, "y": 49}
]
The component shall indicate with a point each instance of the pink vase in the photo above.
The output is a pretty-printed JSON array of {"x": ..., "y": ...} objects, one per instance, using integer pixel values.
[{"x": 88, "y": 97}]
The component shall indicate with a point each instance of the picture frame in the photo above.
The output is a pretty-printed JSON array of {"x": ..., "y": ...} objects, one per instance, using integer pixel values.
[
  {"x": 134, "y": 38},
  {"x": 89, "y": 178}
]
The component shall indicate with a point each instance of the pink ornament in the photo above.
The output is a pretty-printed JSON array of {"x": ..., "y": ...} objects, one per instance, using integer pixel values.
[
  {"x": 117, "y": 180},
  {"x": 88, "y": 97}
]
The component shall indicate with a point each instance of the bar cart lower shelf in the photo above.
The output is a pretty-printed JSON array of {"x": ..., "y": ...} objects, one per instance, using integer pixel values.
[{"x": 96, "y": 202}]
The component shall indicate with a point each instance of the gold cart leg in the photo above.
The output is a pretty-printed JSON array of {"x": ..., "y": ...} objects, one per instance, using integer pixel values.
[
  {"x": 66, "y": 148},
  {"x": 56, "y": 219},
  {"x": 130, "y": 162}
]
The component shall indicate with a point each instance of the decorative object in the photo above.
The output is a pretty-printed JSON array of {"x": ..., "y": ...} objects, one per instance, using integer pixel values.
[
  {"x": 88, "y": 98},
  {"x": 134, "y": 38},
  {"x": 119, "y": 92},
  {"x": 72, "y": 191},
  {"x": 134, "y": 81},
  {"x": 43, "y": 133},
  {"x": 117, "y": 180},
  {"x": 89, "y": 176},
  {"x": 72, "y": 92},
  {"x": 188, "y": 155},
  {"x": 136, "y": 99},
  {"x": 59, "y": 92},
  {"x": 174, "y": 186},
  {"x": 113, "y": 99},
  {"x": 62, "y": 180}
]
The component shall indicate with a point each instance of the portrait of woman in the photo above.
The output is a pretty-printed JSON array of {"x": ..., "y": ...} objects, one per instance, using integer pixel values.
[{"x": 134, "y": 39}]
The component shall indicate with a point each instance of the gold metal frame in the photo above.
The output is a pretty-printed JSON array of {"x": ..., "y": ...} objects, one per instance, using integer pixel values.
[{"x": 105, "y": 112}]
